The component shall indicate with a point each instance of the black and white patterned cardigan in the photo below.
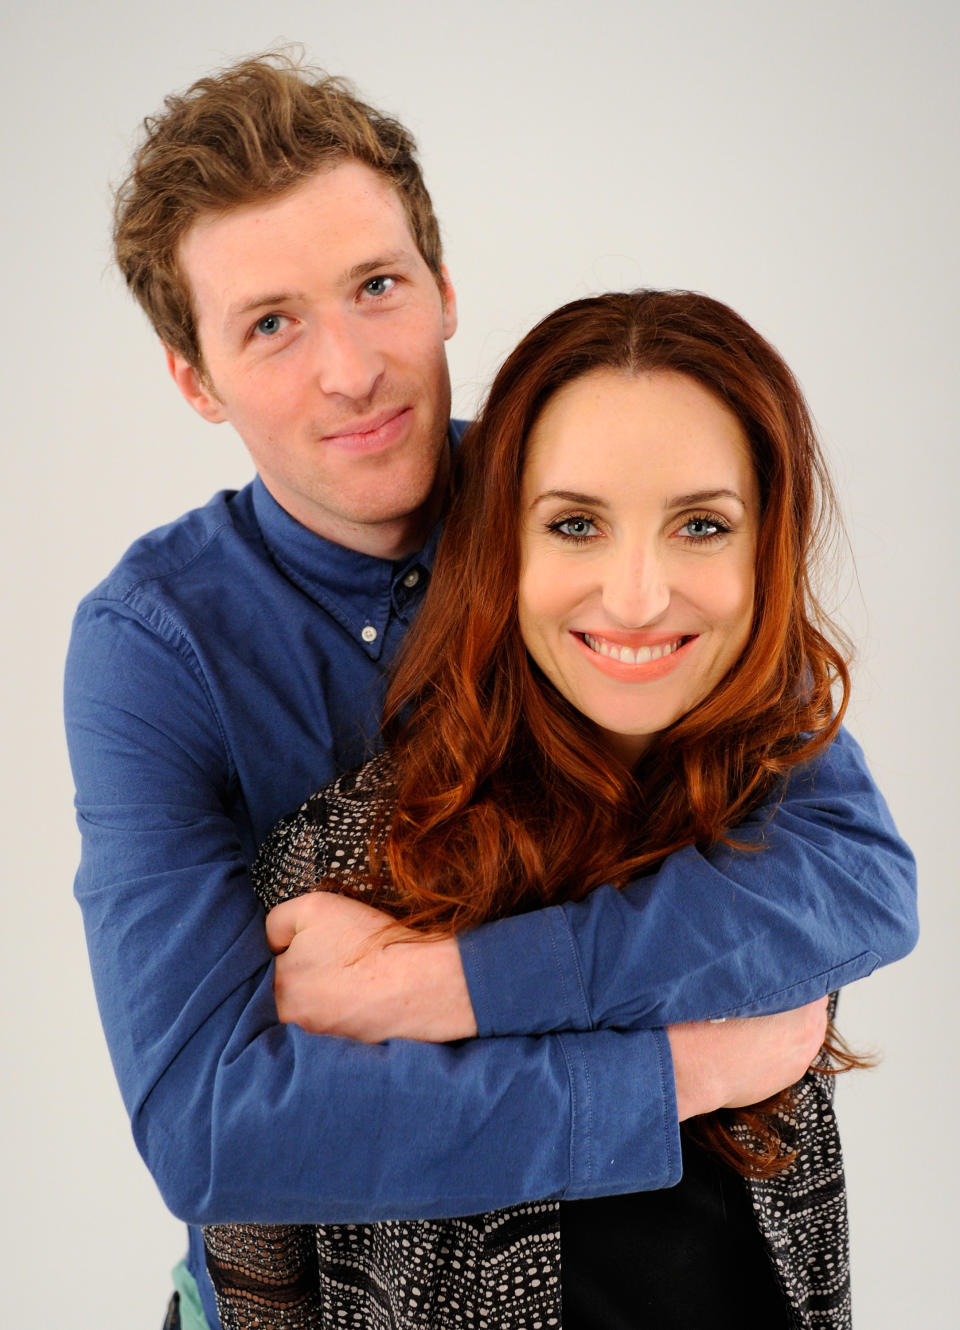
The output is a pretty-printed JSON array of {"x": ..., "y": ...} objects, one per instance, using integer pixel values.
[{"x": 499, "y": 1270}]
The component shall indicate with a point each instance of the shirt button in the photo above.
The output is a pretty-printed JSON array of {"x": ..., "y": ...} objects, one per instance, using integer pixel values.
[
  {"x": 369, "y": 633},
  {"x": 412, "y": 578}
]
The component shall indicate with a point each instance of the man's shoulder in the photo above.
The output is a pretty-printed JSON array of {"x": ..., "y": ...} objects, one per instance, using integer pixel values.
[{"x": 179, "y": 546}]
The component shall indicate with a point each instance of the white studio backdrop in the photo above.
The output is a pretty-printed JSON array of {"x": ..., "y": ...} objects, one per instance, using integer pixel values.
[{"x": 797, "y": 161}]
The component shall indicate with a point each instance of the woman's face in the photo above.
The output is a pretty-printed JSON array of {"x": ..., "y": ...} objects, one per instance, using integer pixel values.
[{"x": 639, "y": 515}]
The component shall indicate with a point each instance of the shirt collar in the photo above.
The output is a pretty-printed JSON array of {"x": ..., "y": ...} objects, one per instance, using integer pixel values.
[{"x": 359, "y": 590}]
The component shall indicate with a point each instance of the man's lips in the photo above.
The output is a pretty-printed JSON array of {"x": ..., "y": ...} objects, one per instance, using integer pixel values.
[{"x": 374, "y": 432}]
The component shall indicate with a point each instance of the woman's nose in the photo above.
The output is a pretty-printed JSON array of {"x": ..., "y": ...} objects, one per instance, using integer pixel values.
[{"x": 635, "y": 588}]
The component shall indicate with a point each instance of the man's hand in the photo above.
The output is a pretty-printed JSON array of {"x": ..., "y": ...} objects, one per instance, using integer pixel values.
[
  {"x": 345, "y": 968},
  {"x": 729, "y": 1064}
]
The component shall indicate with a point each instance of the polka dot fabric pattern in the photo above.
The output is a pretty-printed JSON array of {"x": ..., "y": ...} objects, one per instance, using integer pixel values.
[
  {"x": 496, "y": 1271},
  {"x": 802, "y": 1213}
]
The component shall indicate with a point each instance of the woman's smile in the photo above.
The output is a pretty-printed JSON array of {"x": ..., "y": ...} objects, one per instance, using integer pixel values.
[{"x": 637, "y": 664}]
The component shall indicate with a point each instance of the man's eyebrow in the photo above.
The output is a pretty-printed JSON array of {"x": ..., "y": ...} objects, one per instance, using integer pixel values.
[
  {"x": 247, "y": 306},
  {"x": 393, "y": 259}
]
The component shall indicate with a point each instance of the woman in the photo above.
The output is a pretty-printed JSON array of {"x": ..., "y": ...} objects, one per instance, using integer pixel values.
[{"x": 620, "y": 655}]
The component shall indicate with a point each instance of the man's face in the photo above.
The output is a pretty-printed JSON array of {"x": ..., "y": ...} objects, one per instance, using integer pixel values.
[{"x": 322, "y": 333}]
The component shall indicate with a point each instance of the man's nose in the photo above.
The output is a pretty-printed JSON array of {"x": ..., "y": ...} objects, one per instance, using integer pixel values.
[
  {"x": 348, "y": 364},
  {"x": 635, "y": 588}
]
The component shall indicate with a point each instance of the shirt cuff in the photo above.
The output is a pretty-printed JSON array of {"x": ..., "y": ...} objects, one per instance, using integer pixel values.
[
  {"x": 621, "y": 1142},
  {"x": 524, "y": 975}
]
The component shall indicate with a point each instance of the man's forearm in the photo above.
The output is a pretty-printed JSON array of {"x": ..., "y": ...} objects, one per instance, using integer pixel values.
[
  {"x": 344, "y": 968},
  {"x": 830, "y": 895},
  {"x": 292, "y": 1127}
]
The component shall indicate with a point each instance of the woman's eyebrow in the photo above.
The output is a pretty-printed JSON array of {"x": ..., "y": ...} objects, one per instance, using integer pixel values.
[
  {"x": 702, "y": 496},
  {"x": 572, "y": 496},
  {"x": 678, "y": 500}
]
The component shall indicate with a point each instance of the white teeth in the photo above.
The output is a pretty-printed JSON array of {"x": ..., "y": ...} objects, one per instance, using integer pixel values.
[{"x": 631, "y": 655}]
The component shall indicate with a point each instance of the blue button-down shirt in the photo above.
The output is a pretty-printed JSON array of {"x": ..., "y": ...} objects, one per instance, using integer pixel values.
[{"x": 231, "y": 664}]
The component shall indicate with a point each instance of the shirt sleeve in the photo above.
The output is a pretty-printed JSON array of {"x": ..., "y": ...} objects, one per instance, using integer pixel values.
[
  {"x": 240, "y": 1118},
  {"x": 826, "y": 893}
]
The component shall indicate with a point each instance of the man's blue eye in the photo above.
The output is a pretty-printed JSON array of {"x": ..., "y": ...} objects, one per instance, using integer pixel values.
[
  {"x": 378, "y": 286},
  {"x": 269, "y": 324}
]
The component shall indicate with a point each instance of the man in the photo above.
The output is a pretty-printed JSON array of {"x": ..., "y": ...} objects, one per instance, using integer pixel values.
[{"x": 279, "y": 236}]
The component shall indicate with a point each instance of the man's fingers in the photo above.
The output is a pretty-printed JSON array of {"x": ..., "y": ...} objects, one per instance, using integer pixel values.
[
  {"x": 346, "y": 923},
  {"x": 281, "y": 925}
]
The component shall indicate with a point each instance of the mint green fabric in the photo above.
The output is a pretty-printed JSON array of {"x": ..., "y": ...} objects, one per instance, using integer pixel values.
[{"x": 191, "y": 1311}]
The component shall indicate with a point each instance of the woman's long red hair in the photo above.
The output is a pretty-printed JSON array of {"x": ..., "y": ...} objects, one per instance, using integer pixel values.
[{"x": 505, "y": 799}]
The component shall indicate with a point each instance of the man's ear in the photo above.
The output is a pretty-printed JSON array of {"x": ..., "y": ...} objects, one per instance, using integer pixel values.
[
  {"x": 449, "y": 305},
  {"x": 195, "y": 388}
]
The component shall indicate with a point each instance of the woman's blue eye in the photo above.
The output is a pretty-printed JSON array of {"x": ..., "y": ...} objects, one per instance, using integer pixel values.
[
  {"x": 702, "y": 528},
  {"x": 578, "y": 528},
  {"x": 269, "y": 324}
]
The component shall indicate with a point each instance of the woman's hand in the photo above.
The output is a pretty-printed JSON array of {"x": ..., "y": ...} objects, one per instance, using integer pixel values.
[
  {"x": 345, "y": 968},
  {"x": 729, "y": 1064}
]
